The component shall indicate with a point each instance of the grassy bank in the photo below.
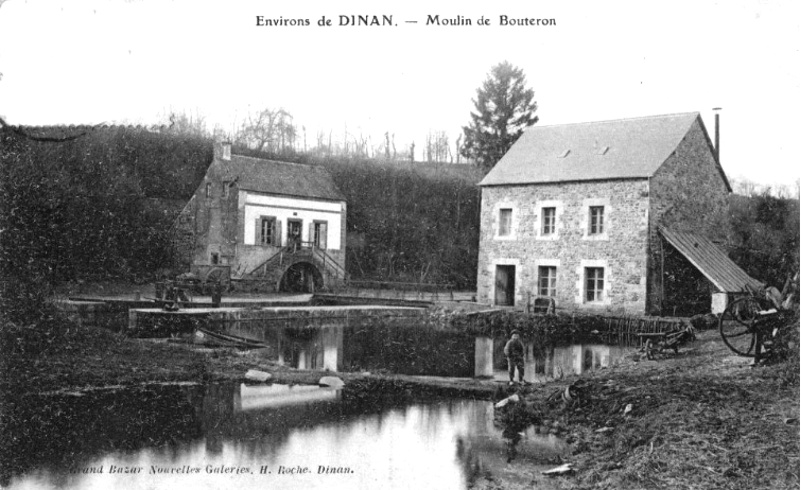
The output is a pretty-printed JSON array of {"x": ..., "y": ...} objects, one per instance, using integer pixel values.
[{"x": 702, "y": 419}]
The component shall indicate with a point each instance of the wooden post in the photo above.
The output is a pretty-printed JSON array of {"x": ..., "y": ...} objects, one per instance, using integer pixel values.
[{"x": 758, "y": 346}]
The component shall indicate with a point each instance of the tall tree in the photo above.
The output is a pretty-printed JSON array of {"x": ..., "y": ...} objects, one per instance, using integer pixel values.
[
  {"x": 504, "y": 107},
  {"x": 268, "y": 130}
]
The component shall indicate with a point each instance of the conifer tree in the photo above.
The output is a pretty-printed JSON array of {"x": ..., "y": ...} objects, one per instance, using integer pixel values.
[{"x": 504, "y": 107}]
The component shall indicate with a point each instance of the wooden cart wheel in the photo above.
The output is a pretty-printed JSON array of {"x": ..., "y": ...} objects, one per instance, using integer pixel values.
[{"x": 737, "y": 325}]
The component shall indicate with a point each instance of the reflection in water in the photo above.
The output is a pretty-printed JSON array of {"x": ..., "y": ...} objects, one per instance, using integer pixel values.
[
  {"x": 399, "y": 345},
  {"x": 512, "y": 437},
  {"x": 223, "y": 436},
  {"x": 549, "y": 363},
  {"x": 275, "y": 395}
]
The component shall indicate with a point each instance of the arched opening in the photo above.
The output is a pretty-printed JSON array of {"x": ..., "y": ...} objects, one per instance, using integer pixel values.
[{"x": 301, "y": 277}]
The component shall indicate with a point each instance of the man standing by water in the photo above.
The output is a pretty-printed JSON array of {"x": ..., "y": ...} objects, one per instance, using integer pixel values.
[{"x": 515, "y": 352}]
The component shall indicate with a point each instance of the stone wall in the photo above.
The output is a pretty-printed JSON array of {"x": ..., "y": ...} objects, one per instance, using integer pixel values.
[
  {"x": 620, "y": 249},
  {"x": 688, "y": 193},
  {"x": 216, "y": 217},
  {"x": 183, "y": 238}
]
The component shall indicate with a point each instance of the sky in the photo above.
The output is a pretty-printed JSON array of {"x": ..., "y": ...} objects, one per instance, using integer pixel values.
[{"x": 135, "y": 61}]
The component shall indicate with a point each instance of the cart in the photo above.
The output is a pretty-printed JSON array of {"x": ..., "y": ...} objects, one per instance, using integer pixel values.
[{"x": 659, "y": 342}]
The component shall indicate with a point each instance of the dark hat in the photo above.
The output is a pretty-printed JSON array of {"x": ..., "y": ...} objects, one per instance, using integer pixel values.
[{"x": 514, "y": 332}]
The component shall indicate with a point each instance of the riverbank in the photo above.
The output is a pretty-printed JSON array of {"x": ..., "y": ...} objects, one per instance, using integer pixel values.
[{"x": 702, "y": 419}]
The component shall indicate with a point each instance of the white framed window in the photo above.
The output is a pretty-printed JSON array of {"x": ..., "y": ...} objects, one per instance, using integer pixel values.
[
  {"x": 548, "y": 221},
  {"x": 546, "y": 280},
  {"x": 208, "y": 189},
  {"x": 505, "y": 222},
  {"x": 594, "y": 284},
  {"x": 596, "y": 220}
]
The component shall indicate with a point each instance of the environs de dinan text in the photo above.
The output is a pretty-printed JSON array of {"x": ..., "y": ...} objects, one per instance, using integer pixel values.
[{"x": 384, "y": 20}]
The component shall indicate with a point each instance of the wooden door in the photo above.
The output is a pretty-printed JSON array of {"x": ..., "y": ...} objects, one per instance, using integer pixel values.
[
  {"x": 293, "y": 230},
  {"x": 505, "y": 285}
]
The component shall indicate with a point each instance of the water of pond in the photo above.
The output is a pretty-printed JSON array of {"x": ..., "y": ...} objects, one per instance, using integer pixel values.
[
  {"x": 403, "y": 346},
  {"x": 238, "y": 436},
  {"x": 548, "y": 363}
]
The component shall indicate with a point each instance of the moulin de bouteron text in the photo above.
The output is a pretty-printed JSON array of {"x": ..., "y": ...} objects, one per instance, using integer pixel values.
[{"x": 384, "y": 20}]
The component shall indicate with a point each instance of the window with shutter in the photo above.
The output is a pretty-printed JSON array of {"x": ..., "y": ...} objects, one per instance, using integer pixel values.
[
  {"x": 266, "y": 231},
  {"x": 319, "y": 234}
]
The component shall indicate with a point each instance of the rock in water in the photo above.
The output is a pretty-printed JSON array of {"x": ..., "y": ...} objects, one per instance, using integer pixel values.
[
  {"x": 331, "y": 381},
  {"x": 256, "y": 375}
]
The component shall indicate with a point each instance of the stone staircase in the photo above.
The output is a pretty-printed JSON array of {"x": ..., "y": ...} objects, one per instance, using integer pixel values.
[{"x": 269, "y": 273}]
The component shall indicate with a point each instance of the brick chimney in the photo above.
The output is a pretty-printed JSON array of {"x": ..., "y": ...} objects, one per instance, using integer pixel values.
[{"x": 717, "y": 133}]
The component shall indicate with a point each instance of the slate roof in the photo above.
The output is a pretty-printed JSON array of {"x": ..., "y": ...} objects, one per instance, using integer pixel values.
[
  {"x": 710, "y": 261},
  {"x": 284, "y": 178},
  {"x": 619, "y": 149}
]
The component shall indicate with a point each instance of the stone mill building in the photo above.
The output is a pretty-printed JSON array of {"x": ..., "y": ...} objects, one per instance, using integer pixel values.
[{"x": 612, "y": 216}]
